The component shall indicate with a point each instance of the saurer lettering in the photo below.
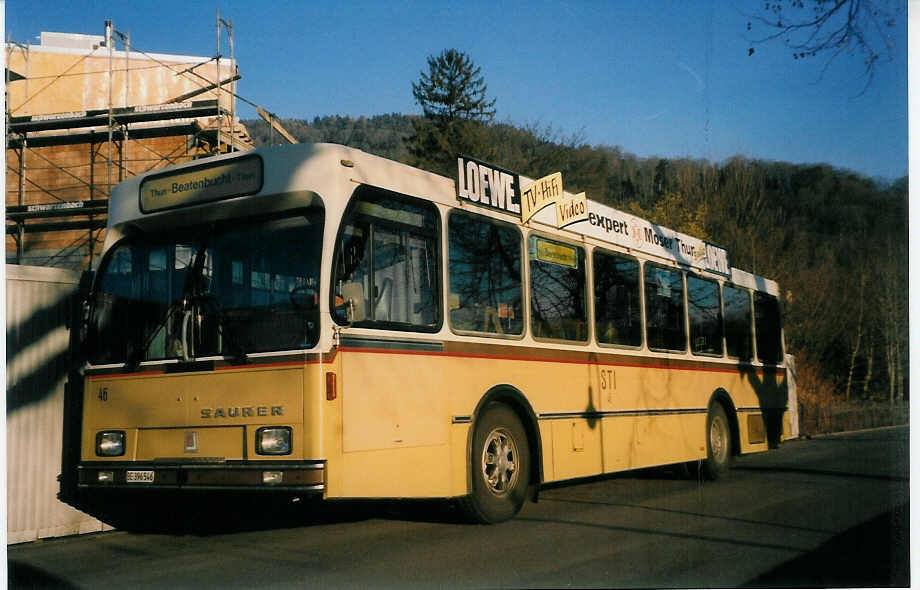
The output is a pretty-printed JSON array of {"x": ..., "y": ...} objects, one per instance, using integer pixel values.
[{"x": 241, "y": 412}]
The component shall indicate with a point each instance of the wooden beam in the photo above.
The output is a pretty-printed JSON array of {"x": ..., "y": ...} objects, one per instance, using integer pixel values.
[
  {"x": 202, "y": 90},
  {"x": 273, "y": 121}
]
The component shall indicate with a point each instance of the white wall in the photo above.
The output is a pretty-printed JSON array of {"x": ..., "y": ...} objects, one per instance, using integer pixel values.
[{"x": 37, "y": 305}]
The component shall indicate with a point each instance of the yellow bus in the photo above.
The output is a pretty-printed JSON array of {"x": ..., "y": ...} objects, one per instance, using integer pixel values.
[{"x": 315, "y": 320}]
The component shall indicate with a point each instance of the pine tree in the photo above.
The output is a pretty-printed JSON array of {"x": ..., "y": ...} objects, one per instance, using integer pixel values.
[
  {"x": 457, "y": 112},
  {"x": 453, "y": 89}
]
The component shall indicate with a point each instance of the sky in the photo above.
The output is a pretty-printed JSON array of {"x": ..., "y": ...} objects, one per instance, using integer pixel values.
[{"x": 667, "y": 78}]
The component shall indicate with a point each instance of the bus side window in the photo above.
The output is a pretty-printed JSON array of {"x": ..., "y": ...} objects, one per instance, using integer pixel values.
[
  {"x": 386, "y": 268},
  {"x": 485, "y": 275},
  {"x": 767, "y": 329},
  {"x": 738, "y": 337},
  {"x": 705, "y": 311},
  {"x": 617, "y": 308},
  {"x": 664, "y": 308},
  {"x": 558, "y": 304}
]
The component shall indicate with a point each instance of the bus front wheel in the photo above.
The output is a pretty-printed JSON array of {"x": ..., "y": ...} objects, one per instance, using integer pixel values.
[
  {"x": 500, "y": 464},
  {"x": 718, "y": 443}
]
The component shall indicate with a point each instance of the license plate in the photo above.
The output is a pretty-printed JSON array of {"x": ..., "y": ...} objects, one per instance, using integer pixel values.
[{"x": 139, "y": 477}]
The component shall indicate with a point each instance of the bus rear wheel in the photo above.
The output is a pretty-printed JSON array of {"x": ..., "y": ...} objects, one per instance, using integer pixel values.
[
  {"x": 718, "y": 444},
  {"x": 500, "y": 463}
]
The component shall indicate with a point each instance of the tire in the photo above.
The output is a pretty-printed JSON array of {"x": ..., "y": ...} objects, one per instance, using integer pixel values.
[
  {"x": 719, "y": 450},
  {"x": 500, "y": 464}
]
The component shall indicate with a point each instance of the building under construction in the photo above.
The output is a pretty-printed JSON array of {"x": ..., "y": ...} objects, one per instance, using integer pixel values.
[{"x": 86, "y": 111}]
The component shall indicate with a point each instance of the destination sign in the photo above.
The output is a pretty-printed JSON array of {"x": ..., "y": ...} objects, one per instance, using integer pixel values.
[
  {"x": 555, "y": 253},
  {"x": 488, "y": 186},
  {"x": 202, "y": 184}
]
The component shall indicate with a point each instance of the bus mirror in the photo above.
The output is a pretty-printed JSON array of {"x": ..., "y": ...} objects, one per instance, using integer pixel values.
[
  {"x": 78, "y": 319},
  {"x": 353, "y": 294}
]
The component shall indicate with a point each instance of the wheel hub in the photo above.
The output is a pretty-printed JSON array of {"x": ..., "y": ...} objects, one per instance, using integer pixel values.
[
  {"x": 718, "y": 440},
  {"x": 499, "y": 462}
]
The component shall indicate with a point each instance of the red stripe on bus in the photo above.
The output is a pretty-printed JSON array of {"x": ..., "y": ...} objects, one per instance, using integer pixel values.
[
  {"x": 711, "y": 368},
  {"x": 250, "y": 367}
]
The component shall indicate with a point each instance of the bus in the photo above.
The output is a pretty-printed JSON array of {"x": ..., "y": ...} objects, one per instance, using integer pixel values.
[{"x": 313, "y": 320}]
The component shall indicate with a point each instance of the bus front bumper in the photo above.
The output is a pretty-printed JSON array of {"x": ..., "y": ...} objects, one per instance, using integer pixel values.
[{"x": 294, "y": 476}]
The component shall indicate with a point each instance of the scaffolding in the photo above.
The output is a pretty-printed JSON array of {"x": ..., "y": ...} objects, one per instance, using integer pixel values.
[{"x": 81, "y": 205}]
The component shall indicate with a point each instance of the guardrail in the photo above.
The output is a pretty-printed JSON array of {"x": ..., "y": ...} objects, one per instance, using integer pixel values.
[{"x": 825, "y": 419}]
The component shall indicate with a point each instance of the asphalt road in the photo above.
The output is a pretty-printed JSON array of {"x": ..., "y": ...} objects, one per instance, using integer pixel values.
[{"x": 832, "y": 511}]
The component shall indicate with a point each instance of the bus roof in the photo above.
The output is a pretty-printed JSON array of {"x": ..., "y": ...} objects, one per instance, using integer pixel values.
[{"x": 301, "y": 170}]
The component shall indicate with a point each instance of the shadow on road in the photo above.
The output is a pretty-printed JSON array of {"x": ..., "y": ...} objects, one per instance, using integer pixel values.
[
  {"x": 433, "y": 511},
  {"x": 872, "y": 554},
  {"x": 23, "y": 575},
  {"x": 685, "y": 513},
  {"x": 823, "y": 472},
  {"x": 205, "y": 515},
  {"x": 676, "y": 472},
  {"x": 665, "y": 534}
]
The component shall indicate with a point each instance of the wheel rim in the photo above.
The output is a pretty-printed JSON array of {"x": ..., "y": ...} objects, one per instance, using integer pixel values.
[
  {"x": 718, "y": 438},
  {"x": 499, "y": 462}
]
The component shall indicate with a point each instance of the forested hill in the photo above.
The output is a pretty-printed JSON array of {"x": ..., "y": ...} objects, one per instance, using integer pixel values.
[
  {"x": 835, "y": 241},
  {"x": 382, "y": 135}
]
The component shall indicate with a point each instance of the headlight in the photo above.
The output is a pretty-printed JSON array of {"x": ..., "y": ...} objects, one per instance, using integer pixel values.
[
  {"x": 273, "y": 440},
  {"x": 110, "y": 443}
]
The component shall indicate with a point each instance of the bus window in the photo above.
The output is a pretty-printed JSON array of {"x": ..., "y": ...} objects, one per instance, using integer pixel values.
[
  {"x": 387, "y": 264},
  {"x": 232, "y": 289},
  {"x": 738, "y": 343},
  {"x": 485, "y": 275},
  {"x": 617, "y": 308},
  {"x": 557, "y": 290},
  {"x": 766, "y": 326},
  {"x": 705, "y": 312},
  {"x": 664, "y": 309},
  {"x": 139, "y": 286},
  {"x": 263, "y": 280}
]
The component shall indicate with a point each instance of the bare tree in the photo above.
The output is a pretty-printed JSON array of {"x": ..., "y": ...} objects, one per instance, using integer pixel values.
[
  {"x": 893, "y": 302},
  {"x": 812, "y": 28},
  {"x": 859, "y": 333}
]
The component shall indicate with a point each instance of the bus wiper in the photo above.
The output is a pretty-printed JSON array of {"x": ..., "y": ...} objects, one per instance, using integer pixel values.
[
  {"x": 199, "y": 299},
  {"x": 207, "y": 302},
  {"x": 182, "y": 304},
  {"x": 136, "y": 355}
]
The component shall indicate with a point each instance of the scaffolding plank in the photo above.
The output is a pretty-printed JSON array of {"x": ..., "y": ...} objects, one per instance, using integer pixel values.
[
  {"x": 121, "y": 116},
  {"x": 96, "y": 211},
  {"x": 57, "y": 206},
  {"x": 33, "y": 228},
  {"x": 36, "y": 141}
]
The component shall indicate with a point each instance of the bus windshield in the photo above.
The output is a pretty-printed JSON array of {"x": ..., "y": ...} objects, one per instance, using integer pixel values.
[{"x": 216, "y": 290}]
